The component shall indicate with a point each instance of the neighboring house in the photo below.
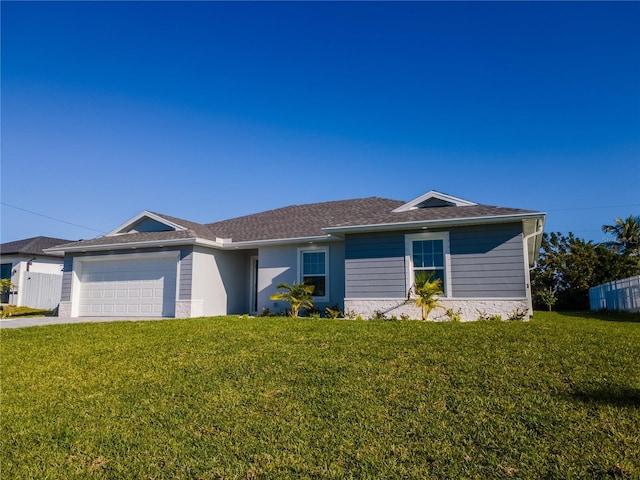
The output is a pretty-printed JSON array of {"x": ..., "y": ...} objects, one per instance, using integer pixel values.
[
  {"x": 360, "y": 254},
  {"x": 36, "y": 275}
]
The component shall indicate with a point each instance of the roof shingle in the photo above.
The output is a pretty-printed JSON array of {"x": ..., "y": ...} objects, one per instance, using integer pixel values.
[
  {"x": 31, "y": 246},
  {"x": 308, "y": 220}
]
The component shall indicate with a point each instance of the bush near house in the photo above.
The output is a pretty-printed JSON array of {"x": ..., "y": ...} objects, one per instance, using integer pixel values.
[
  {"x": 11, "y": 311},
  {"x": 235, "y": 398}
]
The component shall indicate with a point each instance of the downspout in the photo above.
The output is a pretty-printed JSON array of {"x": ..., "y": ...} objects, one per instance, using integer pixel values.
[
  {"x": 30, "y": 262},
  {"x": 538, "y": 231}
]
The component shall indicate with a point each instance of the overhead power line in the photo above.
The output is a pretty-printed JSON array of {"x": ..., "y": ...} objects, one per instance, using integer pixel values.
[
  {"x": 51, "y": 218},
  {"x": 592, "y": 208}
]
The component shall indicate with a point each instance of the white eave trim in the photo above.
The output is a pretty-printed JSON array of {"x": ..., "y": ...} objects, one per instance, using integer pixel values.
[
  {"x": 413, "y": 204},
  {"x": 129, "y": 245},
  {"x": 434, "y": 223},
  {"x": 219, "y": 243},
  {"x": 141, "y": 215},
  {"x": 279, "y": 241}
]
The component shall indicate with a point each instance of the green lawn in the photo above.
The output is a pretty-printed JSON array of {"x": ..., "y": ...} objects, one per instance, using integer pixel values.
[{"x": 557, "y": 397}]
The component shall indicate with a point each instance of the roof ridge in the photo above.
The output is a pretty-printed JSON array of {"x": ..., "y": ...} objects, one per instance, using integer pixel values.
[{"x": 315, "y": 204}]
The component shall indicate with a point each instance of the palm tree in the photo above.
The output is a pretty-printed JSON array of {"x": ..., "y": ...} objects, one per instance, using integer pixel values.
[
  {"x": 426, "y": 289},
  {"x": 297, "y": 295},
  {"x": 626, "y": 235}
]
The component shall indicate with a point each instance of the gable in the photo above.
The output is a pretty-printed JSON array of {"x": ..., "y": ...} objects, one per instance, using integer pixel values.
[
  {"x": 433, "y": 199},
  {"x": 147, "y": 224}
]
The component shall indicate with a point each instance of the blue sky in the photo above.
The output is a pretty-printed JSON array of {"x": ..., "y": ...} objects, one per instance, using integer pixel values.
[{"x": 210, "y": 110}]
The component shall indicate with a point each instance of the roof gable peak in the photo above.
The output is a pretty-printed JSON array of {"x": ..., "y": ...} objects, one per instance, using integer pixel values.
[
  {"x": 146, "y": 221},
  {"x": 432, "y": 199}
]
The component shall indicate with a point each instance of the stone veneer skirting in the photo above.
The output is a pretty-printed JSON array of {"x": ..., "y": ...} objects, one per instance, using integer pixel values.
[
  {"x": 64, "y": 309},
  {"x": 470, "y": 309},
  {"x": 189, "y": 308}
]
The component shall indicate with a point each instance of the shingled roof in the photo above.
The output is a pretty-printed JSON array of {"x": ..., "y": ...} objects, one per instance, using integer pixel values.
[
  {"x": 300, "y": 221},
  {"x": 307, "y": 221},
  {"x": 31, "y": 246}
]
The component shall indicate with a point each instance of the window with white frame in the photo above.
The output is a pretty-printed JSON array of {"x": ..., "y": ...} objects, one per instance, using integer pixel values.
[
  {"x": 428, "y": 253},
  {"x": 313, "y": 269}
]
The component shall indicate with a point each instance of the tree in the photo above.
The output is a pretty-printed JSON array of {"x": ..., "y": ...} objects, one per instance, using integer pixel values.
[
  {"x": 426, "y": 288},
  {"x": 568, "y": 266},
  {"x": 626, "y": 235},
  {"x": 547, "y": 297},
  {"x": 297, "y": 295}
]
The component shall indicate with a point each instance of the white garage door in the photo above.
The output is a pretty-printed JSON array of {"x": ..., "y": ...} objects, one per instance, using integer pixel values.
[{"x": 144, "y": 287}]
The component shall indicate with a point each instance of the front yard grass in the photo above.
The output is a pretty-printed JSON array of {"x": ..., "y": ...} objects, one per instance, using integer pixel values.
[{"x": 557, "y": 397}]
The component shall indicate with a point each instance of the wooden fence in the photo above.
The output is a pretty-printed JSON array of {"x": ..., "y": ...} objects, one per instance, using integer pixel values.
[{"x": 621, "y": 295}]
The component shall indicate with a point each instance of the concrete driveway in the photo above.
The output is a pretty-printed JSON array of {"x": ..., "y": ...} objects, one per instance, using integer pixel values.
[{"x": 42, "y": 321}]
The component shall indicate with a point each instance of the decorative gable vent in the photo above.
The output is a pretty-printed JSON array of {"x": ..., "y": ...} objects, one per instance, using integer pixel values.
[
  {"x": 146, "y": 222},
  {"x": 433, "y": 199}
]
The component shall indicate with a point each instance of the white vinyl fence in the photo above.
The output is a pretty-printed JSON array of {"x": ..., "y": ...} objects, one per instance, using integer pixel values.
[
  {"x": 39, "y": 290},
  {"x": 617, "y": 295}
]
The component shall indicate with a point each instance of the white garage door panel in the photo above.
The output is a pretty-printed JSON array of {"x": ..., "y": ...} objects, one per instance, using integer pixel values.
[{"x": 144, "y": 287}]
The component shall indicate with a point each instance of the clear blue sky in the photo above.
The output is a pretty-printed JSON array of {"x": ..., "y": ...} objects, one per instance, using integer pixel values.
[{"x": 210, "y": 110}]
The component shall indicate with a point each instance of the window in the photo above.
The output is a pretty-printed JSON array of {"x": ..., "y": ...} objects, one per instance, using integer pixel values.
[
  {"x": 429, "y": 253},
  {"x": 5, "y": 274},
  {"x": 313, "y": 270}
]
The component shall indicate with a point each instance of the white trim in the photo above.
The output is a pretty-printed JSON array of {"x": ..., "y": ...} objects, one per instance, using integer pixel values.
[
  {"x": 223, "y": 244},
  {"x": 527, "y": 261},
  {"x": 279, "y": 241},
  {"x": 413, "y": 204},
  {"x": 316, "y": 248},
  {"x": 408, "y": 260},
  {"x": 140, "y": 216},
  {"x": 434, "y": 223}
]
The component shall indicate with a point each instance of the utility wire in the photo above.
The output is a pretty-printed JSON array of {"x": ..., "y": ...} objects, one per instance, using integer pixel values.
[
  {"x": 51, "y": 218},
  {"x": 592, "y": 208}
]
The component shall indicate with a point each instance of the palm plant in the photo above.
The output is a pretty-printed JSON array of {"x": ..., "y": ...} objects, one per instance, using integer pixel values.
[
  {"x": 424, "y": 293},
  {"x": 626, "y": 235},
  {"x": 297, "y": 295}
]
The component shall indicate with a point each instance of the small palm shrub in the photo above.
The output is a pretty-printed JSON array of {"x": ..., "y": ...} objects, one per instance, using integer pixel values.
[
  {"x": 424, "y": 293},
  {"x": 297, "y": 295}
]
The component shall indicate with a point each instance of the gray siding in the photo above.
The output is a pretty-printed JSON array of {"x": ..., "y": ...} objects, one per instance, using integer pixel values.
[
  {"x": 374, "y": 266},
  {"x": 186, "y": 270},
  {"x": 67, "y": 275},
  {"x": 186, "y": 264},
  {"x": 487, "y": 261}
]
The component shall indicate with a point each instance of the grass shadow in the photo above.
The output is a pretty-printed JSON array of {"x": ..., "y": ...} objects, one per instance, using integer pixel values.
[
  {"x": 613, "y": 395},
  {"x": 606, "y": 315}
]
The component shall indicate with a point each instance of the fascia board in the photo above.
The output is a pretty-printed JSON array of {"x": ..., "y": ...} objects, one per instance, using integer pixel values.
[
  {"x": 433, "y": 223},
  {"x": 130, "y": 245},
  {"x": 278, "y": 241},
  {"x": 141, "y": 215},
  {"x": 226, "y": 245}
]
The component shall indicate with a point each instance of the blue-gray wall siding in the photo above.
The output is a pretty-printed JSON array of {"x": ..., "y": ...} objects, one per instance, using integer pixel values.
[
  {"x": 374, "y": 265},
  {"x": 186, "y": 267},
  {"x": 486, "y": 261}
]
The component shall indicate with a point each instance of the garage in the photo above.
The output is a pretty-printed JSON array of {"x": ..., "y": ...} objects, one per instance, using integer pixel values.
[{"x": 133, "y": 285}]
